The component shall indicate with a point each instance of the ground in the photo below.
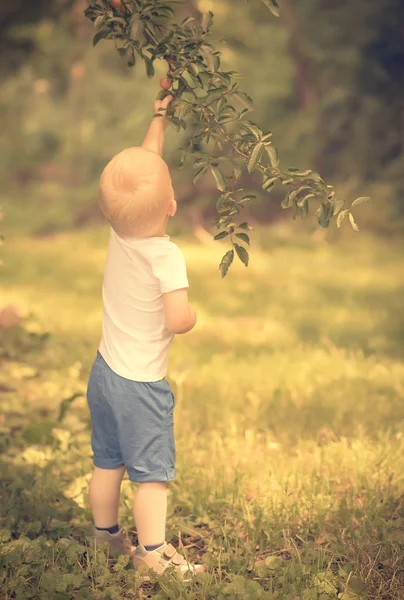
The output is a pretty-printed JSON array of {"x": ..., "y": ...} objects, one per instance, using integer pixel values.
[{"x": 289, "y": 422}]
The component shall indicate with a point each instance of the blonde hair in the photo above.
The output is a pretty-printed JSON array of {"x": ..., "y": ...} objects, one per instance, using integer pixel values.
[{"x": 135, "y": 192}]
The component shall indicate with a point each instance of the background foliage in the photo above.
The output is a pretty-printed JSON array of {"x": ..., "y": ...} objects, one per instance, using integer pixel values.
[{"x": 326, "y": 79}]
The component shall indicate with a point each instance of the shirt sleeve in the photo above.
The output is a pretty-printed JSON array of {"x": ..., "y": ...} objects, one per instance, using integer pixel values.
[{"x": 170, "y": 269}]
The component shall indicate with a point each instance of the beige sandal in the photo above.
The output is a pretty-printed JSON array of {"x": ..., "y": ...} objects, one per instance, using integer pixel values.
[
  {"x": 119, "y": 543},
  {"x": 163, "y": 558}
]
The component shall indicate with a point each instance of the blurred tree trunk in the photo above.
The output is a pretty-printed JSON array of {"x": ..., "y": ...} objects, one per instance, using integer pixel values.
[
  {"x": 76, "y": 93},
  {"x": 305, "y": 79},
  {"x": 298, "y": 48}
]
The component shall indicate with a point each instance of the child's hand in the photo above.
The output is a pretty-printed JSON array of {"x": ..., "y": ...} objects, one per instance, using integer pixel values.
[
  {"x": 154, "y": 140},
  {"x": 160, "y": 108}
]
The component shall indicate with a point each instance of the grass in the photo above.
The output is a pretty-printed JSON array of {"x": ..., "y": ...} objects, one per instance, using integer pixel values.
[{"x": 289, "y": 423}]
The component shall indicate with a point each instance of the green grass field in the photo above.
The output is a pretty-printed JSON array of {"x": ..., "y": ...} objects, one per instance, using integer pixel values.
[{"x": 289, "y": 423}]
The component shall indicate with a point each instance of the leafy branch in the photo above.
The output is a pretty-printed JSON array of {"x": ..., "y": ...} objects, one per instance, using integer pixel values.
[{"x": 209, "y": 99}]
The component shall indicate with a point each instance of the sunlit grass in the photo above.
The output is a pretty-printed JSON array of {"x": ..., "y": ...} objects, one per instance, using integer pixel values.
[{"x": 289, "y": 415}]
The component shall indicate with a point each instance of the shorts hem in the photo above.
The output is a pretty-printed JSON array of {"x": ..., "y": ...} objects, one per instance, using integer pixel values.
[
  {"x": 161, "y": 475},
  {"x": 107, "y": 463}
]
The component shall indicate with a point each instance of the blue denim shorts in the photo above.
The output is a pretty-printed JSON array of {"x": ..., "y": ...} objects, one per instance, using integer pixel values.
[{"x": 132, "y": 424}]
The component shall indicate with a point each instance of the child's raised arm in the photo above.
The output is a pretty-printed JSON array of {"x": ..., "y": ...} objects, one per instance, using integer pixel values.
[{"x": 155, "y": 136}]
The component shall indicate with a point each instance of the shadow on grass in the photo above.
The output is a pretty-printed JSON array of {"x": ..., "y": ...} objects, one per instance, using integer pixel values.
[{"x": 33, "y": 503}]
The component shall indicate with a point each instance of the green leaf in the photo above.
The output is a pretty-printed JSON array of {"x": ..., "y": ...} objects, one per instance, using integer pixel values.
[
  {"x": 310, "y": 175},
  {"x": 128, "y": 54},
  {"x": 219, "y": 179},
  {"x": 225, "y": 203},
  {"x": 245, "y": 99},
  {"x": 338, "y": 204},
  {"x": 287, "y": 202},
  {"x": 237, "y": 172},
  {"x": 324, "y": 215},
  {"x": 255, "y": 156},
  {"x": 166, "y": 11},
  {"x": 187, "y": 21},
  {"x": 293, "y": 195},
  {"x": 221, "y": 235},
  {"x": 273, "y": 156},
  {"x": 298, "y": 173},
  {"x": 100, "y": 35},
  {"x": 137, "y": 29},
  {"x": 182, "y": 159},
  {"x": 244, "y": 237},
  {"x": 226, "y": 262},
  {"x": 201, "y": 162},
  {"x": 121, "y": 563},
  {"x": 149, "y": 67},
  {"x": 242, "y": 254},
  {"x": 304, "y": 188},
  {"x": 244, "y": 588},
  {"x": 357, "y": 585},
  {"x": 273, "y": 6},
  {"x": 66, "y": 404},
  {"x": 58, "y": 524},
  {"x": 193, "y": 68},
  {"x": 302, "y": 201},
  {"x": 267, "y": 137},
  {"x": 216, "y": 61},
  {"x": 341, "y": 217},
  {"x": 245, "y": 226},
  {"x": 352, "y": 221},
  {"x": 274, "y": 563},
  {"x": 207, "y": 21},
  {"x": 215, "y": 95},
  {"x": 99, "y": 22},
  {"x": 269, "y": 183},
  {"x": 360, "y": 200},
  {"x": 304, "y": 206},
  {"x": 178, "y": 123},
  {"x": 252, "y": 128},
  {"x": 202, "y": 171}
]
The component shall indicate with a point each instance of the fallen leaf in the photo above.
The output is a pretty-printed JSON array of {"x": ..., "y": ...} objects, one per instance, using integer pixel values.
[{"x": 321, "y": 540}]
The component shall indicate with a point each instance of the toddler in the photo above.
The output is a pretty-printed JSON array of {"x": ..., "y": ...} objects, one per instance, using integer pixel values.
[{"x": 145, "y": 302}]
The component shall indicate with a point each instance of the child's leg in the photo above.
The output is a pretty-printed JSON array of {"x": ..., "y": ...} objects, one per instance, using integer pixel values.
[
  {"x": 150, "y": 512},
  {"x": 105, "y": 489}
]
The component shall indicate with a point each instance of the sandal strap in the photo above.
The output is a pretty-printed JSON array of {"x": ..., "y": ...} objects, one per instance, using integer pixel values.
[
  {"x": 170, "y": 555},
  {"x": 169, "y": 551},
  {"x": 178, "y": 560}
]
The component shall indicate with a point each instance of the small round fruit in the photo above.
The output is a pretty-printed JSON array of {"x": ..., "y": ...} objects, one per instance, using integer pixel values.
[
  {"x": 115, "y": 3},
  {"x": 165, "y": 83}
]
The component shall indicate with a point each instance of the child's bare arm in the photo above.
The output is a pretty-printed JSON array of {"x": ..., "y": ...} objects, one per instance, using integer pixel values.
[
  {"x": 179, "y": 316},
  {"x": 155, "y": 136}
]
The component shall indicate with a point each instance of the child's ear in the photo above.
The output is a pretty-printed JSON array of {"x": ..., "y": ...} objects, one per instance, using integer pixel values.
[{"x": 172, "y": 209}]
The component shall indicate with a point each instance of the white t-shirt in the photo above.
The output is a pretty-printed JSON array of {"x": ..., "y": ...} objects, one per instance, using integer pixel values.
[{"x": 135, "y": 341}]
